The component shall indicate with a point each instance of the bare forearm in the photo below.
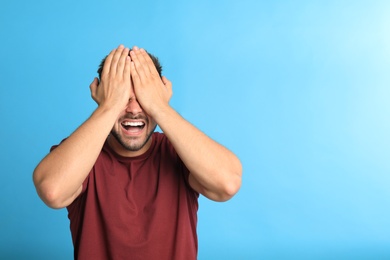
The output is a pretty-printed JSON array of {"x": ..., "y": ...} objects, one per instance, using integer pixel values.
[
  {"x": 216, "y": 170},
  {"x": 61, "y": 173}
]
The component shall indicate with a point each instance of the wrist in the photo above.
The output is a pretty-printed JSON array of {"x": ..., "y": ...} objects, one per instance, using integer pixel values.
[
  {"x": 108, "y": 111},
  {"x": 162, "y": 114},
  {"x": 114, "y": 107}
]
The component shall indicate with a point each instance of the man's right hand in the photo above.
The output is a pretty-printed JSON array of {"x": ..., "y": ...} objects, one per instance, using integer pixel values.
[
  {"x": 115, "y": 86},
  {"x": 58, "y": 178}
]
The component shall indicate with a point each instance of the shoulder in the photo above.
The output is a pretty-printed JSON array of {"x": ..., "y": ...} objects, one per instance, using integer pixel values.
[
  {"x": 159, "y": 137},
  {"x": 162, "y": 143}
]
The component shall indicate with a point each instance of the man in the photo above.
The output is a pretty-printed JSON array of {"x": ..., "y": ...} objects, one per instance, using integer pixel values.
[{"x": 131, "y": 193}]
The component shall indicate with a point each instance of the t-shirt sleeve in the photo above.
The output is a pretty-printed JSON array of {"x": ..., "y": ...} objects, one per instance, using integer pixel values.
[{"x": 56, "y": 145}]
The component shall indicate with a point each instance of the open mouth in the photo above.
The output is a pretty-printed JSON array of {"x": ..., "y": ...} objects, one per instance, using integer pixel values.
[{"x": 133, "y": 126}]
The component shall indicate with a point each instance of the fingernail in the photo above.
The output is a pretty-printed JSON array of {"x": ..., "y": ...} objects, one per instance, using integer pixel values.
[{"x": 135, "y": 48}]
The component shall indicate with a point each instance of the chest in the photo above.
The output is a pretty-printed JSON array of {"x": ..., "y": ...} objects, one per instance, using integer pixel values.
[{"x": 137, "y": 187}]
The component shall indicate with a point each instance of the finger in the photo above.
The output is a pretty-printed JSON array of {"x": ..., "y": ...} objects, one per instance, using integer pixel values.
[
  {"x": 122, "y": 61},
  {"x": 94, "y": 84},
  {"x": 134, "y": 74},
  {"x": 140, "y": 53},
  {"x": 126, "y": 69},
  {"x": 115, "y": 59},
  {"x": 167, "y": 84},
  {"x": 107, "y": 63},
  {"x": 93, "y": 87},
  {"x": 149, "y": 62},
  {"x": 137, "y": 63},
  {"x": 142, "y": 56}
]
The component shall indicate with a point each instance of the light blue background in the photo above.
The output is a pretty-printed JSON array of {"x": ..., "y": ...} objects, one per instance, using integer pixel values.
[{"x": 299, "y": 90}]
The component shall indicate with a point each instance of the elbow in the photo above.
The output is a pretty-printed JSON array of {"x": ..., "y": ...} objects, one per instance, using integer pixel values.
[
  {"x": 48, "y": 193},
  {"x": 50, "y": 198},
  {"x": 231, "y": 186},
  {"x": 235, "y": 182},
  {"x": 230, "y": 189}
]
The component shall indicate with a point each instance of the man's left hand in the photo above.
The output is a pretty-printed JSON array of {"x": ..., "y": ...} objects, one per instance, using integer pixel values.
[{"x": 152, "y": 92}]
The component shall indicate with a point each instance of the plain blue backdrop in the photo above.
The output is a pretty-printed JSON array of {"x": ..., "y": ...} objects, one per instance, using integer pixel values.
[{"x": 299, "y": 90}]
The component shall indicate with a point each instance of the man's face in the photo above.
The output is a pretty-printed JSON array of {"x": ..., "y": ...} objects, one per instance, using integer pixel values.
[{"x": 132, "y": 131}]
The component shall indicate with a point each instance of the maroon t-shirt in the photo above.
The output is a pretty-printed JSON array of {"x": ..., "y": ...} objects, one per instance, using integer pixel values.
[{"x": 136, "y": 208}]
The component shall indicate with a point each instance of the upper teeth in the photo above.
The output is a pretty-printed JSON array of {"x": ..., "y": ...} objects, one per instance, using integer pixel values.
[{"x": 133, "y": 123}]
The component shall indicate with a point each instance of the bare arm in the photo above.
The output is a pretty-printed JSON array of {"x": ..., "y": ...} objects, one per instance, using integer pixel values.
[
  {"x": 59, "y": 176},
  {"x": 215, "y": 171}
]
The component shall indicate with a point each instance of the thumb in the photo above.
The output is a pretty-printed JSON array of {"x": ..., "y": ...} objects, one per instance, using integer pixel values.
[
  {"x": 166, "y": 82},
  {"x": 168, "y": 85},
  {"x": 93, "y": 87}
]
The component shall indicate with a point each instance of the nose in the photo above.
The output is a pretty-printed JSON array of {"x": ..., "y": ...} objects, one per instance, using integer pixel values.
[{"x": 133, "y": 106}]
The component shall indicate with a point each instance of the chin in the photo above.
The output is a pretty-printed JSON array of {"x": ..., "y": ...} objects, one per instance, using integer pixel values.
[{"x": 134, "y": 143}]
